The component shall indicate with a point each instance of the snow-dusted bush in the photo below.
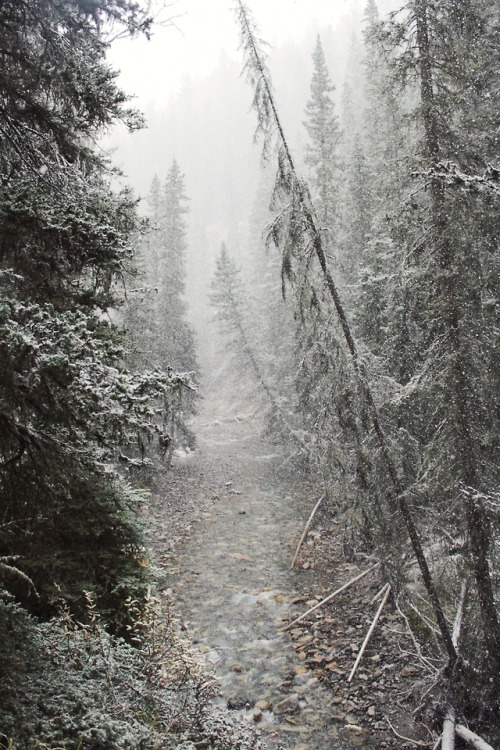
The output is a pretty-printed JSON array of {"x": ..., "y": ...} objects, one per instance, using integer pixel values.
[{"x": 75, "y": 686}]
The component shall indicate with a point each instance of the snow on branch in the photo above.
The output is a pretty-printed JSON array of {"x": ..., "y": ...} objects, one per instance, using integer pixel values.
[{"x": 450, "y": 174}]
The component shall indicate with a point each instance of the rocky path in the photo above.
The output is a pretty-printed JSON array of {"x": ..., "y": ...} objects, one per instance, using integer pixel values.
[{"x": 227, "y": 522}]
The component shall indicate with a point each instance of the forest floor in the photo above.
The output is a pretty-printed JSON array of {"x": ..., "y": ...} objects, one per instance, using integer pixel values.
[{"x": 226, "y": 520}]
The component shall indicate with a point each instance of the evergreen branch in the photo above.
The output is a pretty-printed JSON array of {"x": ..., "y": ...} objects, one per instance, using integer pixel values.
[
  {"x": 12, "y": 572},
  {"x": 448, "y": 173}
]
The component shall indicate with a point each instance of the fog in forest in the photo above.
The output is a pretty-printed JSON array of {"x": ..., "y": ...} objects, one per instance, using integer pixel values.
[
  {"x": 249, "y": 416},
  {"x": 188, "y": 82}
]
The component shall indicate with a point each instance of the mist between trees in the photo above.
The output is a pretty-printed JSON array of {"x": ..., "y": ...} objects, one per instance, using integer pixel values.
[{"x": 354, "y": 283}]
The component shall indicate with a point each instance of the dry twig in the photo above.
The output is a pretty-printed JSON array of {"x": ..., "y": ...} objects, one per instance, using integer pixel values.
[
  {"x": 369, "y": 634},
  {"x": 417, "y": 743},
  {"x": 331, "y": 596},
  {"x": 306, "y": 529}
]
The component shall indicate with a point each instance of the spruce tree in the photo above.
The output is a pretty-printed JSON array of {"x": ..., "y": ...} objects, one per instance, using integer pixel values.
[
  {"x": 324, "y": 137},
  {"x": 176, "y": 336},
  {"x": 157, "y": 312},
  {"x": 448, "y": 260},
  {"x": 230, "y": 302},
  {"x": 67, "y": 404}
]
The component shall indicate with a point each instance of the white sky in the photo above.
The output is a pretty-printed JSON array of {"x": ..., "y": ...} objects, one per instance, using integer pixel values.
[{"x": 206, "y": 28}]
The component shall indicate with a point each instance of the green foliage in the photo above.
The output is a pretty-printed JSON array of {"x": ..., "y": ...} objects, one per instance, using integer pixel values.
[
  {"x": 68, "y": 406},
  {"x": 67, "y": 686},
  {"x": 156, "y": 309}
]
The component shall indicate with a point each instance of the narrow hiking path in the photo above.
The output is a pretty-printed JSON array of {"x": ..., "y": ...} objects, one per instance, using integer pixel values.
[
  {"x": 231, "y": 582},
  {"x": 226, "y": 524}
]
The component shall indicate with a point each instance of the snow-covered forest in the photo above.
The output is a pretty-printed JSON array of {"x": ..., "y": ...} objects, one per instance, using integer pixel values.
[{"x": 307, "y": 235}]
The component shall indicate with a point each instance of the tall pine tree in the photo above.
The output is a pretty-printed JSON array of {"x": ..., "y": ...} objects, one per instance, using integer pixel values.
[
  {"x": 157, "y": 311},
  {"x": 67, "y": 404},
  {"x": 324, "y": 137}
]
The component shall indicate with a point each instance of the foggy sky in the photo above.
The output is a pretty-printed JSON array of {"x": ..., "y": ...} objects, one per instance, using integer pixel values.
[{"x": 201, "y": 30}]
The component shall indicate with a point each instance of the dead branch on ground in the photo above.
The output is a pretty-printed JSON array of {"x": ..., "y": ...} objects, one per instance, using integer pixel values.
[
  {"x": 369, "y": 633},
  {"x": 331, "y": 596},
  {"x": 306, "y": 529}
]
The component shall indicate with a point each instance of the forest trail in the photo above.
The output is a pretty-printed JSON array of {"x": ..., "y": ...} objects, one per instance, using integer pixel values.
[{"x": 231, "y": 581}]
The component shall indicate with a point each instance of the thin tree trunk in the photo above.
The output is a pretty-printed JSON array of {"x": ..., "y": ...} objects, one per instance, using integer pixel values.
[{"x": 306, "y": 528}]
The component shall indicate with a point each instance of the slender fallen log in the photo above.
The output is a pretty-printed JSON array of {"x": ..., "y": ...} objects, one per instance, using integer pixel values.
[
  {"x": 379, "y": 593},
  {"x": 437, "y": 743},
  {"x": 448, "y": 736},
  {"x": 306, "y": 529},
  {"x": 472, "y": 738},
  {"x": 331, "y": 596},
  {"x": 369, "y": 634}
]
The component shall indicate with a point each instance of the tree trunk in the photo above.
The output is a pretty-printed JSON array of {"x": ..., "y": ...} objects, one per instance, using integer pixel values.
[{"x": 477, "y": 525}]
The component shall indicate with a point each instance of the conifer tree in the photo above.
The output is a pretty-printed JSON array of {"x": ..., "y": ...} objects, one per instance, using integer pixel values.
[
  {"x": 230, "y": 302},
  {"x": 176, "y": 336},
  {"x": 324, "y": 137},
  {"x": 157, "y": 312},
  {"x": 447, "y": 244},
  {"x": 67, "y": 404}
]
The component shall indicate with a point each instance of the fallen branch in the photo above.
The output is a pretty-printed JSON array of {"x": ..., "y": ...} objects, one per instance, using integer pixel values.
[
  {"x": 331, "y": 596},
  {"x": 448, "y": 736},
  {"x": 417, "y": 743},
  {"x": 369, "y": 634},
  {"x": 306, "y": 529},
  {"x": 472, "y": 738},
  {"x": 379, "y": 593}
]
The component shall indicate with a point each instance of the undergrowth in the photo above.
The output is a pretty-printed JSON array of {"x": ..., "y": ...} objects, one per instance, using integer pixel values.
[{"x": 73, "y": 686}]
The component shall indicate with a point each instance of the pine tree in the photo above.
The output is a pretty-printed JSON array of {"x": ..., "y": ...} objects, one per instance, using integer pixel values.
[
  {"x": 154, "y": 199},
  {"x": 157, "y": 312},
  {"x": 448, "y": 259},
  {"x": 372, "y": 199},
  {"x": 324, "y": 137},
  {"x": 67, "y": 404},
  {"x": 230, "y": 301},
  {"x": 176, "y": 336}
]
